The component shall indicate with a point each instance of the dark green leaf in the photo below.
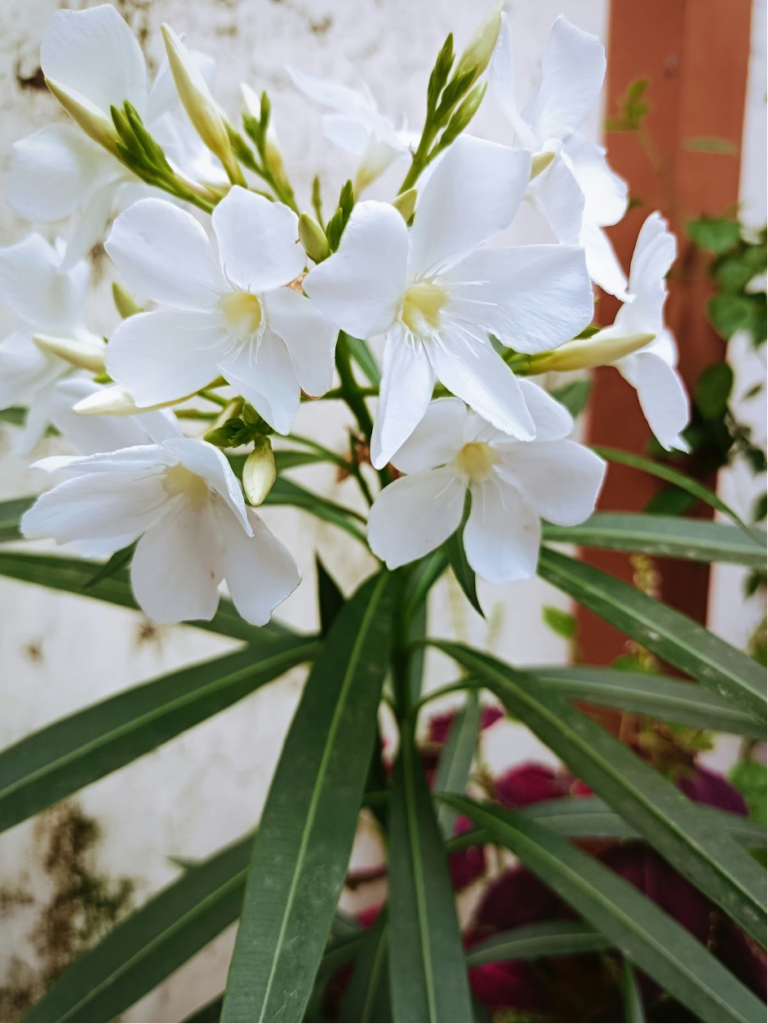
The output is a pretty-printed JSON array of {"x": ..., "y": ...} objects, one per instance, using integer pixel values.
[
  {"x": 670, "y": 822},
  {"x": 532, "y": 941},
  {"x": 367, "y": 995},
  {"x": 428, "y": 977},
  {"x": 119, "y": 560},
  {"x": 286, "y": 492},
  {"x": 308, "y": 824},
  {"x": 630, "y": 995},
  {"x": 647, "y": 936},
  {"x": 60, "y": 759},
  {"x": 456, "y": 758},
  {"x": 717, "y": 234},
  {"x": 424, "y": 574},
  {"x": 713, "y": 389},
  {"x": 10, "y": 516},
  {"x": 668, "y": 633},
  {"x": 362, "y": 355},
  {"x": 560, "y": 622},
  {"x": 329, "y": 597},
  {"x": 730, "y": 313},
  {"x": 465, "y": 576},
  {"x": 574, "y": 395}
]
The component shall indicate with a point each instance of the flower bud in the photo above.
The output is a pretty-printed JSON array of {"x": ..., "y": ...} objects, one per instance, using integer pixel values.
[
  {"x": 94, "y": 122},
  {"x": 587, "y": 353},
  {"x": 259, "y": 472},
  {"x": 124, "y": 302},
  {"x": 313, "y": 238},
  {"x": 115, "y": 401},
  {"x": 274, "y": 158},
  {"x": 204, "y": 113},
  {"x": 540, "y": 162},
  {"x": 479, "y": 50},
  {"x": 86, "y": 354},
  {"x": 405, "y": 204}
]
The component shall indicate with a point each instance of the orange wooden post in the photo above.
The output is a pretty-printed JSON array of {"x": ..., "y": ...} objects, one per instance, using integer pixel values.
[{"x": 695, "y": 55}]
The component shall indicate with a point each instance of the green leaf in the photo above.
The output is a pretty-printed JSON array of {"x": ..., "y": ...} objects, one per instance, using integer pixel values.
[
  {"x": 424, "y": 574},
  {"x": 456, "y": 758},
  {"x": 647, "y": 936},
  {"x": 718, "y": 234},
  {"x": 671, "y": 823},
  {"x": 710, "y": 144},
  {"x": 286, "y": 492},
  {"x": 713, "y": 390},
  {"x": 153, "y": 942},
  {"x": 362, "y": 355},
  {"x": 58, "y": 760},
  {"x": 119, "y": 560},
  {"x": 457, "y": 559},
  {"x": 367, "y": 995},
  {"x": 329, "y": 597},
  {"x": 574, "y": 395},
  {"x": 75, "y": 576},
  {"x": 532, "y": 941},
  {"x": 730, "y": 313},
  {"x": 428, "y": 977},
  {"x": 10, "y": 516},
  {"x": 671, "y": 700},
  {"x": 749, "y": 777},
  {"x": 668, "y": 633},
  {"x": 308, "y": 824},
  {"x": 697, "y": 540},
  {"x": 630, "y": 995},
  {"x": 559, "y": 621},
  {"x": 672, "y": 476}
]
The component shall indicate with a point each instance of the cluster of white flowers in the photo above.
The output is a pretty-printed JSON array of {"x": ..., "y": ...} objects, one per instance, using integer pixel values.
[{"x": 255, "y": 305}]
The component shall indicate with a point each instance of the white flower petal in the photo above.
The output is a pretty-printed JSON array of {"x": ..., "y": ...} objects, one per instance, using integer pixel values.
[
  {"x": 94, "y": 53},
  {"x": 532, "y": 297},
  {"x": 602, "y": 262},
  {"x": 260, "y": 572},
  {"x": 501, "y": 77},
  {"x": 360, "y": 288},
  {"x": 560, "y": 480},
  {"x": 177, "y": 566},
  {"x": 36, "y": 423},
  {"x": 92, "y": 224},
  {"x": 348, "y": 133},
  {"x": 473, "y": 193},
  {"x": 605, "y": 193},
  {"x": 25, "y": 370},
  {"x": 309, "y": 337},
  {"x": 662, "y": 396},
  {"x": 414, "y": 515},
  {"x": 437, "y": 438},
  {"x": 55, "y": 171},
  {"x": 32, "y": 286},
  {"x": 209, "y": 462},
  {"x": 166, "y": 355},
  {"x": 481, "y": 378},
  {"x": 654, "y": 254},
  {"x": 502, "y": 535},
  {"x": 330, "y": 94},
  {"x": 108, "y": 506},
  {"x": 165, "y": 255},
  {"x": 266, "y": 379},
  {"x": 405, "y": 391},
  {"x": 91, "y": 434},
  {"x": 259, "y": 246},
  {"x": 551, "y": 419},
  {"x": 572, "y": 74},
  {"x": 556, "y": 194}
]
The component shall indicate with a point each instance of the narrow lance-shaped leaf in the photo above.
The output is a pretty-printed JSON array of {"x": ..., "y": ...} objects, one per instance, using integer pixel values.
[
  {"x": 308, "y": 825},
  {"x": 631, "y": 996},
  {"x": 367, "y": 995},
  {"x": 63, "y": 757},
  {"x": 532, "y": 941},
  {"x": 668, "y": 633},
  {"x": 670, "y": 822},
  {"x": 428, "y": 977},
  {"x": 456, "y": 758},
  {"x": 10, "y": 517},
  {"x": 651, "y": 939},
  {"x": 697, "y": 540}
]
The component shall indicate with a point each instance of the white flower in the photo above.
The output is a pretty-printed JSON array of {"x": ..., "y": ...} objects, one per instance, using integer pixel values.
[
  {"x": 576, "y": 192},
  {"x": 436, "y": 298},
  {"x": 357, "y": 127},
  {"x": 227, "y": 314},
  {"x": 651, "y": 370},
  {"x": 183, "y": 503},
  {"x": 59, "y": 170},
  {"x": 513, "y": 484},
  {"x": 45, "y": 300}
]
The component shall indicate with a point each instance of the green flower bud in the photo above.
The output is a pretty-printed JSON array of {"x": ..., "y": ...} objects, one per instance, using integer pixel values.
[
  {"x": 124, "y": 302},
  {"x": 259, "y": 472},
  {"x": 405, "y": 204},
  {"x": 313, "y": 238},
  {"x": 88, "y": 355},
  {"x": 93, "y": 121},
  {"x": 541, "y": 162},
  {"x": 479, "y": 50},
  {"x": 587, "y": 353}
]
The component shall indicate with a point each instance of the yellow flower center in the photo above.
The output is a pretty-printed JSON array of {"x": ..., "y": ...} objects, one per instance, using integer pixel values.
[
  {"x": 421, "y": 307},
  {"x": 180, "y": 480},
  {"x": 476, "y": 460},
  {"x": 243, "y": 314}
]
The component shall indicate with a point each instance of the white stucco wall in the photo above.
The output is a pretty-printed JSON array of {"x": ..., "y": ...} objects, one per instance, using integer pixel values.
[{"x": 60, "y": 652}]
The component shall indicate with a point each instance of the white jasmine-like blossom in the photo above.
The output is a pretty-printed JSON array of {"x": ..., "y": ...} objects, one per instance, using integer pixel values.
[
  {"x": 651, "y": 370},
  {"x": 227, "y": 312},
  {"x": 182, "y": 502},
  {"x": 576, "y": 192},
  {"x": 357, "y": 126},
  {"x": 437, "y": 296},
  {"x": 45, "y": 300},
  {"x": 514, "y": 484},
  {"x": 93, "y": 56}
]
